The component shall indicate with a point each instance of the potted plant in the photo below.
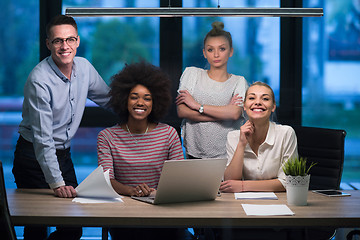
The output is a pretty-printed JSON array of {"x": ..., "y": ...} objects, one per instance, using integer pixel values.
[{"x": 297, "y": 180}]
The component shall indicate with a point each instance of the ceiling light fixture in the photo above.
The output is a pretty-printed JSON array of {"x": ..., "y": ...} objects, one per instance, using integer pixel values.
[{"x": 195, "y": 12}]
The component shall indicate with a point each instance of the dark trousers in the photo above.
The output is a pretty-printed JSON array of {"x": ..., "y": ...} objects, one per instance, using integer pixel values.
[{"x": 28, "y": 174}]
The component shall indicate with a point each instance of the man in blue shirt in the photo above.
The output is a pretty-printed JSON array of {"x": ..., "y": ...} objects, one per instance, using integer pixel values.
[{"x": 54, "y": 100}]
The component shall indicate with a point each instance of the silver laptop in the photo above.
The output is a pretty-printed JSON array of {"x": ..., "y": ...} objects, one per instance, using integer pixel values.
[{"x": 188, "y": 180}]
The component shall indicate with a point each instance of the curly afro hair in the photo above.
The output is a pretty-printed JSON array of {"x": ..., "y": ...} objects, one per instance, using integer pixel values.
[{"x": 148, "y": 75}]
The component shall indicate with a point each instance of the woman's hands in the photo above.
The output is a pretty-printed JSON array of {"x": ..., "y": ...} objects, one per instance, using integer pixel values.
[
  {"x": 246, "y": 131},
  {"x": 185, "y": 97},
  {"x": 141, "y": 190},
  {"x": 188, "y": 108},
  {"x": 237, "y": 100},
  {"x": 231, "y": 186}
]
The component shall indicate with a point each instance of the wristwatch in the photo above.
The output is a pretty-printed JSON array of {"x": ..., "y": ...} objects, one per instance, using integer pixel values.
[{"x": 201, "y": 109}]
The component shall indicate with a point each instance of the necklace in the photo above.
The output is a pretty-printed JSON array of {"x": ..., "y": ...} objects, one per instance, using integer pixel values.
[{"x": 136, "y": 140}]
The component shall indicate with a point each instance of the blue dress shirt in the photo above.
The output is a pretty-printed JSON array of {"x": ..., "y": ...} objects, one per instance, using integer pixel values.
[{"x": 53, "y": 108}]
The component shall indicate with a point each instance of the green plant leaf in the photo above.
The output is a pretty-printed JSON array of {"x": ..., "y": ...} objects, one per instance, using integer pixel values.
[{"x": 296, "y": 166}]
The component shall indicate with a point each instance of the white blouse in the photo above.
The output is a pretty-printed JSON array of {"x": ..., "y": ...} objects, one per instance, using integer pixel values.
[
  {"x": 208, "y": 139},
  {"x": 279, "y": 146}
]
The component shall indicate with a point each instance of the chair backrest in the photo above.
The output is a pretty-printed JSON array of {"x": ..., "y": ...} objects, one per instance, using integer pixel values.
[
  {"x": 6, "y": 228},
  {"x": 326, "y": 148}
]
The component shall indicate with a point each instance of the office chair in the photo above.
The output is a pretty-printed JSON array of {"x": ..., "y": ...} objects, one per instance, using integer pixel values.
[
  {"x": 325, "y": 147},
  {"x": 6, "y": 228},
  {"x": 352, "y": 234}
]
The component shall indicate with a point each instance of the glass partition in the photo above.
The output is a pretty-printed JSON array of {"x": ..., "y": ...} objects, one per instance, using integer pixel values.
[
  {"x": 108, "y": 43},
  {"x": 330, "y": 67},
  {"x": 256, "y": 41},
  {"x": 331, "y": 70},
  {"x": 19, "y": 45}
]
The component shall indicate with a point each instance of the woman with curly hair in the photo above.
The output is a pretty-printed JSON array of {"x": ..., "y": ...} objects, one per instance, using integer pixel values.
[{"x": 135, "y": 149}]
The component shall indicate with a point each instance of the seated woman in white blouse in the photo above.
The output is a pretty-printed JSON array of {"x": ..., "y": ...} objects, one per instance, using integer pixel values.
[{"x": 258, "y": 150}]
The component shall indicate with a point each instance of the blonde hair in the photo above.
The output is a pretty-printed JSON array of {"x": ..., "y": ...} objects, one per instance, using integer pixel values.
[
  {"x": 218, "y": 31},
  {"x": 258, "y": 83}
]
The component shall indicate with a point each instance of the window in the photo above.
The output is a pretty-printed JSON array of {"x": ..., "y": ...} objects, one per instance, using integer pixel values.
[
  {"x": 330, "y": 65},
  {"x": 108, "y": 43},
  {"x": 19, "y": 45},
  {"x": 331, "y": 69},
  {"x": 256, "y": 42},
  {"x": 331, "y": 62}
]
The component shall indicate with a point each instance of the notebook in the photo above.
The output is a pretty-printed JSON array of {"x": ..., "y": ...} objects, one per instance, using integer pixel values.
[{"x": 188, "y": 180}]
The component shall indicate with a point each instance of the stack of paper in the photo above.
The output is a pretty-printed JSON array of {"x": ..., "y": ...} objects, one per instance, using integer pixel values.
[
  {"x": 96, "y": 188},
  {"x": 255, "y": 195}
]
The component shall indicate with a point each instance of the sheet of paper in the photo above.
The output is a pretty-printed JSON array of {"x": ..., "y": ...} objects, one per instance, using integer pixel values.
[
  {"x": 96, "y": 188},
  {"x": 96, "y": 200},
  {"x": 267, "y": 210},
  {"x": 255, "y": 195}
]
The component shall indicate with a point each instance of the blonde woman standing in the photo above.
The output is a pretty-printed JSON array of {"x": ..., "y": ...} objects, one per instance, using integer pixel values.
[{"x": 210, "y": 101}]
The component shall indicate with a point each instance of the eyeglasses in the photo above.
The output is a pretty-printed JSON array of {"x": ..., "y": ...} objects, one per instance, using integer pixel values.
[{"x": 71, "y": 41}]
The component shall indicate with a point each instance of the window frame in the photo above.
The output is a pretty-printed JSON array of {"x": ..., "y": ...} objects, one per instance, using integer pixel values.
[{"x": 289, "y": 111}]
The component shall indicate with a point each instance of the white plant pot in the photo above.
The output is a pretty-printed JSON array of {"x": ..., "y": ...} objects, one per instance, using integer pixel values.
[{"x": 297, "y": 188}]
